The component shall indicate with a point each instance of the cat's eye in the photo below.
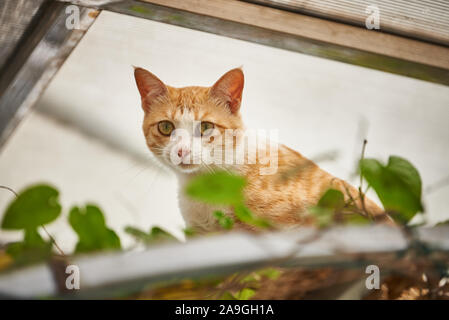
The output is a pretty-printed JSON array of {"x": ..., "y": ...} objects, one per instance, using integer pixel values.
[
  {"x": 165, "y": 127},
  {"x": 204, "y": 126}
]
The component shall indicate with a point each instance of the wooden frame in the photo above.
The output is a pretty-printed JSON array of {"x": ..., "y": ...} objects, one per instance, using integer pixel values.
[
  {"x": 35, "y": 60},
  {"x": 295, "y": 32},
  {"x": 426, "y": 21}
]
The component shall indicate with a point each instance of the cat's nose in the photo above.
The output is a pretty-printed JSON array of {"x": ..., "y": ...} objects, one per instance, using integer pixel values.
[{"x": 183, "y": 152}]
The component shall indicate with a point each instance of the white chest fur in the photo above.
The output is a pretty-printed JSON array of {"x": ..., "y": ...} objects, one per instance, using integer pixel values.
[{"x": 196, "y": 214}]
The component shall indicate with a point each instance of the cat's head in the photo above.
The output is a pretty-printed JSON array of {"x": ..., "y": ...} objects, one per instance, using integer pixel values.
[{"x": 183, "y": 127}]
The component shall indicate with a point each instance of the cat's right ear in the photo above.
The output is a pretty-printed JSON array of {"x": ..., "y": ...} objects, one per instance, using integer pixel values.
[
  {"x": 150, "y": 87},
  {"x": 229, "y": 89}
]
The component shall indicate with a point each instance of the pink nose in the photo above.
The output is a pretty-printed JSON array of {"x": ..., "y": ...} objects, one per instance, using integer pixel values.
[{"x": 182, "y": 152}]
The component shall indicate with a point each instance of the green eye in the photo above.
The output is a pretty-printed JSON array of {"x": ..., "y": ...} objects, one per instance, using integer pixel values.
[
  {"x": 165, "y": 127},
  {"x": 206, "y": 126}
]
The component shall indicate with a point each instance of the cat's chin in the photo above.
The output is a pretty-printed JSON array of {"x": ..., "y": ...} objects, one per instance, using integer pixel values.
[
  {"x": 187, "y": 168},
  {"x": 180, "y": 168}
]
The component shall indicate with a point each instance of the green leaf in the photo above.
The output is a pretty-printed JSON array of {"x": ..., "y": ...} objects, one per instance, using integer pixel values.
[
  {"x": 33, "y": 238},
  {"x": 245, "y": 215},
  {"x": 251, "y": 278},
  {"x": 332, "y": 199},
  {"x": 330, "y": 202},
  {"x": 407, "y": 173},
  {"x": 227, "y": 296},
  {"x": 224, "y": 220},
  {"x": 155, "y": 235},
  {"x": 254, "y": 277},
  {"x": 270, "y": 273},
  {"x": 356, "y": 218},
  {"x": 324, "y": 216},
  {"x": 217, "y": 188},
  {"x": 189, "y": 232},
  {"x": 32, "y": 249},
  {"x": 90, "y": 226},
  {"x": 245, "y": 294},
  {"x": 224, "y": 188},
  {"x": 397, "y": 185},
  {"x": 158, "y": 233},
  {"x": 35, "y": 206},
  {"x": 137, "y": 233}
]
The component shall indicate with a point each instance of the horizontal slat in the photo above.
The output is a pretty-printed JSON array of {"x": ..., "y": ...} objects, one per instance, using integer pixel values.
[
  {"x": 106, "y": 274},
  {"x": 426, "y": 20},
  {"x": 294, "y": 32},
  {"x": 317, "y": 29}
]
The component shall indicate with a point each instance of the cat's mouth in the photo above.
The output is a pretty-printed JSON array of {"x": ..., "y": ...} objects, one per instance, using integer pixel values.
[{"x": 186, "y": 166}]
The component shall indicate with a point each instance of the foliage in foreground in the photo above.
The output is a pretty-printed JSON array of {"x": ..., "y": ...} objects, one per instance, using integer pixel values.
[
  {"x": 397, "y": 184},
  {"x": 226, "y": 189},
  {"x": 37, "y": 206}
]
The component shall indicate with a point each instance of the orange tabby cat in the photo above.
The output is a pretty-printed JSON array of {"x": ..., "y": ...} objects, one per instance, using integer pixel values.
[{"x": 181, "y": 125}]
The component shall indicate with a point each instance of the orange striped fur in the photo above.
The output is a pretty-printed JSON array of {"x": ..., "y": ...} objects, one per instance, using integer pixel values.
[{"x": 283, "y": 201}]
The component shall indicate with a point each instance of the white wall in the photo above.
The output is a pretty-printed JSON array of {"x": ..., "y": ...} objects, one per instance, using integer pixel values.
[{"x": 96, "y": 149}]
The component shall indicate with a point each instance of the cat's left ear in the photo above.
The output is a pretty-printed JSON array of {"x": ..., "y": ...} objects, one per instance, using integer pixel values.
[{"x": 229, "y": 89}]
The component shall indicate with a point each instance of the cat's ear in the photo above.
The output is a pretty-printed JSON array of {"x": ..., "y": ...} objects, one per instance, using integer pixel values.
[
  {"x": 150, "y": 87},
  {"x": 229, "y": 89}
]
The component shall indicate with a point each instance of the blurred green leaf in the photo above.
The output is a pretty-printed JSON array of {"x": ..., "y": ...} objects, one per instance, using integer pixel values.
[
  {"x": 332, "y": 199},
  {"x": 251, "y": 278},
  {"x": 324, "y": 216},
  {"x": 245, "y": 215},
  {"x": 270, "y": 273},
  {"x": 217, "y": 188},
  {"x": 224, "y": 220},
  {"x": 90, "y": 226},
  {"x": 35, "y": 206},
  {"x": 407, "y": 173},
  {"x": 254, "y": 278},
  {"x": 32, "y": 249},
  {"x": 224, "y": 188},
  {"x": 137, "y": 233},
  {"x": 397, "y": 185},
  {"x": 158, "y": 233},
  {"x": 245, "y": 294},
  {"x": 356, "y": 218},
  {"x": 227, "y": 296},
  {"x": 189, "y": 232},
  {"x": 33, "y": 238},
  {"x": 330, "y": 202},
  {"x": 155, "y": 235}
]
